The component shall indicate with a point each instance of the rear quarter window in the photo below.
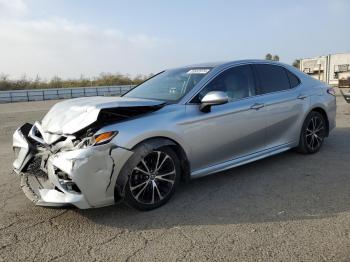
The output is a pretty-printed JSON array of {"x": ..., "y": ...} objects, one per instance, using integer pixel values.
[
  {"x": 271, "y": 78},
  {"x": 293, "y": 80}
]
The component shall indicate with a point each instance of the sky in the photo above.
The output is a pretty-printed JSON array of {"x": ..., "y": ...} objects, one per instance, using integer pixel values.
[{"x": 70, "y": 38}]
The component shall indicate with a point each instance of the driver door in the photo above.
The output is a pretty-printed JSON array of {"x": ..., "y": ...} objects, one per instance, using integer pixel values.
[{"x": 228, "y": 131}]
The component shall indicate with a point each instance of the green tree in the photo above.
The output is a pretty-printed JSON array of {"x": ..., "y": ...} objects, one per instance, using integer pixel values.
[
  {"x": 276, "y": 58},
  {"x": 268, "y": 56},
  {"x": 296, "y": 63}
]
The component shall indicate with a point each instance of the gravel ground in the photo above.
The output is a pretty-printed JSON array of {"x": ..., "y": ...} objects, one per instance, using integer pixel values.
[{"x": 288, "y": 207}]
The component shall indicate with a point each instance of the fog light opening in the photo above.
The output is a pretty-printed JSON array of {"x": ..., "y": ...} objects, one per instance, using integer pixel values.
[
  {"x": 61, "y": 174},
  {"x": 69, "y": 186},
  {"x": 66, "y": 182}
]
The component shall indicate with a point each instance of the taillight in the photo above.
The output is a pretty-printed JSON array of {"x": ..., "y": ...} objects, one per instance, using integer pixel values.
[{"x": 331, "y": 91}]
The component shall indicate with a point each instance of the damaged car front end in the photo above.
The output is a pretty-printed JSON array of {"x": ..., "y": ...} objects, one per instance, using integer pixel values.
[{"x": 65, "y": 160}]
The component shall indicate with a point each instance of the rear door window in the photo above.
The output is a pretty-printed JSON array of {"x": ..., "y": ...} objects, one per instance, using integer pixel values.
[{"x": 271, "y": 78}]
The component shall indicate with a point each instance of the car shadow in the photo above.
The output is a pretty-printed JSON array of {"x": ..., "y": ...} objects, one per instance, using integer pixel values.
[{"x": 285, "y": 187}]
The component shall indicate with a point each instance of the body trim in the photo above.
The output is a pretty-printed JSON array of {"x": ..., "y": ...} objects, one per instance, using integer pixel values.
[{"x": 242, "y": 160}]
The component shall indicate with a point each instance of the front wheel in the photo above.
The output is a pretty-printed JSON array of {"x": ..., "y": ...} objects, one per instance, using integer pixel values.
[
  {"x": 153, "y": 178},
  {"x": 312, "y": 134}
]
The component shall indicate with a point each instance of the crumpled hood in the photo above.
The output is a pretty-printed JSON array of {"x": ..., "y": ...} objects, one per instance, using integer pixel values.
[{"x": 70, "y": 116}]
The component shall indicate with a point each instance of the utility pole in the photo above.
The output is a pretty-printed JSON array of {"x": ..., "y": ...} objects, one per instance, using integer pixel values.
[
  {"x": 319, "y": 69},
  {"x": 319, "y": 72}
]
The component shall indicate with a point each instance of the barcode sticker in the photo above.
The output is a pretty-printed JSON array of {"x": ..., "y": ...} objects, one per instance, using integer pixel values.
[{"x": 198, "y": 71}]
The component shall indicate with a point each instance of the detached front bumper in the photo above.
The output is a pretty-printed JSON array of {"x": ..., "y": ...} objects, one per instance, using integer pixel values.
[{"x": 84, "y": 177}]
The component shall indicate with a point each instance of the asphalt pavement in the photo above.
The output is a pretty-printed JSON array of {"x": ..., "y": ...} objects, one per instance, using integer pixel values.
[{"x": 288, "y": 207}]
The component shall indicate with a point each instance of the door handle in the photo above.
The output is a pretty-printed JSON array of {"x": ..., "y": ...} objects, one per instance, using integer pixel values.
[
  {"x": 257, "y": 106},
  {"x": 302, "y": 97}
]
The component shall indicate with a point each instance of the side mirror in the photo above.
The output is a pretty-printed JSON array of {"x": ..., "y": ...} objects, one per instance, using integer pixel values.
[{"x": 211, "y": 99}]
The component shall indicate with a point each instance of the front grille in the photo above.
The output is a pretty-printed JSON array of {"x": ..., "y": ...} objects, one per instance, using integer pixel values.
[
  {"x": 34, "y": 179},
  {"x": 35, "y": 170}
]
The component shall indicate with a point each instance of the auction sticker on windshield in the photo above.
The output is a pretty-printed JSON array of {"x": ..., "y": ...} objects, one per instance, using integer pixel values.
[{"x": 198, "y": 71}]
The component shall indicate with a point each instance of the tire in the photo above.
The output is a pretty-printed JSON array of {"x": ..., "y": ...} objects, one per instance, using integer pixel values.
[
  {"x": 312, "y": 133},
  {"x": 153, "y": 175}
]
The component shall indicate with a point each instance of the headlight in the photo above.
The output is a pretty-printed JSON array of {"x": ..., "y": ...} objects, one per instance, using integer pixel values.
[{"x": 102, "y": 138}]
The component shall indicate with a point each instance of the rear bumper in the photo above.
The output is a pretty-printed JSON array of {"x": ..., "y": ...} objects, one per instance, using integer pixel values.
[{"x": 84, "y": 177}]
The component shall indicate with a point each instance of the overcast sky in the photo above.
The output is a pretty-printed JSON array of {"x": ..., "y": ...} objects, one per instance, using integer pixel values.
[{"x": 69, "y": 38}]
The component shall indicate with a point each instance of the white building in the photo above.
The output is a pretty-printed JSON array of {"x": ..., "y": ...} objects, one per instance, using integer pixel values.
[{"x": 328, "y": 68}]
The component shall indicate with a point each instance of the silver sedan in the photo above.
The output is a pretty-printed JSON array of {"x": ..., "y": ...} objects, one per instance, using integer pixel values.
[{"x": 181, "y": 124}]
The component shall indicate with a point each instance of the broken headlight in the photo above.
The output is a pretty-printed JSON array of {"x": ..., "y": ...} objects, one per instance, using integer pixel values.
[{"x": 102, "y": 138}]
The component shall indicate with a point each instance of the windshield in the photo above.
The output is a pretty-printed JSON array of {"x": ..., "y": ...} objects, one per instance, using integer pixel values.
[{"x": 170, "y": 85}]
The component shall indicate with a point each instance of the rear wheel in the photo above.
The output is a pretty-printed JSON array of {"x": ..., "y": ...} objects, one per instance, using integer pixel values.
[
  {"x": 153, "y": 178},
  {"x": 312, "y": 134}
]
